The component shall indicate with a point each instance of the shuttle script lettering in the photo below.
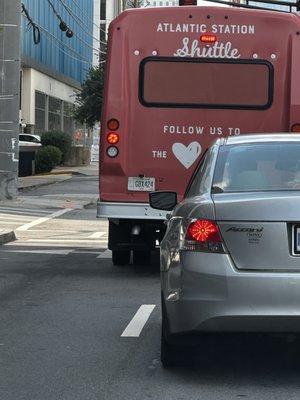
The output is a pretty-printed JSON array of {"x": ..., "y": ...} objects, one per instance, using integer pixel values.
[{"x": 218, "y": 50}]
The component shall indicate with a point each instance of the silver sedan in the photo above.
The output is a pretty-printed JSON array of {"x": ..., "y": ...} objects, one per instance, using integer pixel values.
[{"x": 230, "y": 258}]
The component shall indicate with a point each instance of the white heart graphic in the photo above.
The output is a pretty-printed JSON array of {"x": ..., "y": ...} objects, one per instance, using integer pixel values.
[{"x": 187, "y": 155}]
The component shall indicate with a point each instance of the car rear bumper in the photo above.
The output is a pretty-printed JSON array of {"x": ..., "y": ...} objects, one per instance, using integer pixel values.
[{"x": 209, "y": 295}]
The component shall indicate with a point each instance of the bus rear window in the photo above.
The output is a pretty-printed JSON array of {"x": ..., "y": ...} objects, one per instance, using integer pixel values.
[{"x": 202, "y": 83}]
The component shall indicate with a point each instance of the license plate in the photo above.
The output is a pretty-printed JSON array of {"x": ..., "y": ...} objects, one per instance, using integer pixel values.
[
  {"x": 141, "y": 184},
  {"x": 296, "y": 239}
]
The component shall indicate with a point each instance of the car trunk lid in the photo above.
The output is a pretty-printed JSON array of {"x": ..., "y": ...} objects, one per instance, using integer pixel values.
[{"x": 260, "y": 229}]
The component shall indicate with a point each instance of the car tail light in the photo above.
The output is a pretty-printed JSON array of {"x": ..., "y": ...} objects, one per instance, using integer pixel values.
[
  {"x": 296, "y": 128},
  {"x": 203, "y": 235},
  {"x": 113, "y": 138},
  {"x": 113, "y": 124}
]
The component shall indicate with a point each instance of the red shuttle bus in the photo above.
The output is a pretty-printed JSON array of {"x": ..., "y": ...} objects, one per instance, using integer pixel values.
[{"x": 177, "y": 78}]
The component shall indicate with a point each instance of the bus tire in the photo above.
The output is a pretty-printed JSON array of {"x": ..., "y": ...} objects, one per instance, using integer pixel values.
[
  {"x": 121, "y": 257},
  {"x": 141, "y": 257}
]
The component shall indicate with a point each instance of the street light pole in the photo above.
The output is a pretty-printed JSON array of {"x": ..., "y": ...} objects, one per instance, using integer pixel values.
[{"x": 10, "y": 20}]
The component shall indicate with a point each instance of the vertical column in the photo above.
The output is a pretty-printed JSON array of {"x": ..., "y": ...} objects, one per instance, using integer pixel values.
[{"x": 10, "y": 19}]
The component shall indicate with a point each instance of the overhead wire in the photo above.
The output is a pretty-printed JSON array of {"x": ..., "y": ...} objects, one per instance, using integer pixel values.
[
  {"x": 79, "y": 58},
  {"x": 31, "y": 23},
  {"x": 84, "y": 15},
  {"x": 81, "y": 21},
  {"x": 96, "y": 50}
]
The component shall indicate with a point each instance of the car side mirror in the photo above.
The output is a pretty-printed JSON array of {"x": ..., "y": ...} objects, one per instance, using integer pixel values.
[{"x": 163, "y": 200}]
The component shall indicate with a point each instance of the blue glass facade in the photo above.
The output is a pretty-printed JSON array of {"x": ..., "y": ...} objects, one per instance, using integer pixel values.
[{"x": 70, "y": 57}]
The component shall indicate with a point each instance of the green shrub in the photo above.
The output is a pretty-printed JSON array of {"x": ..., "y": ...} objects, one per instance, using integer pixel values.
[
  {"x": 58, "y": 139},
  {"x": 47, "y": 158}
]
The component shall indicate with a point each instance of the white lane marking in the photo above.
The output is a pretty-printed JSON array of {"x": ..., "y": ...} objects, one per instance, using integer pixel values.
[
  {"x": 53, "y": 252},
  {"x": 65, "y": 241},
  {"x": 135, "y": 326},
  {"x": 26, "y": 213},
  {"x": 44, "y": 219},
  {"x": 11, "y": 222},
  {"x": 97, "y": 235},
  {"x": 19, "y": 218},
  {"x": 105, "y": 254},
  {"x": 34, "y": 210}
]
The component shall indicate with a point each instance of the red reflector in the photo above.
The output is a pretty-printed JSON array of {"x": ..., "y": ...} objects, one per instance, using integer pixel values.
[
  {"x": 113, "y": 124},
  {"x": 113, "y": 138},
  {"x": 208, "y": 38},
  {"x": 203, "y": 230},
  {"x": 296, "y": 128}
]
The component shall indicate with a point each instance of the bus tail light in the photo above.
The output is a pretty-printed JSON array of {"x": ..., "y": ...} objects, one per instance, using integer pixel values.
[
  {"x": 208, "y": 38},
  {"x": 112, "y": 151},
  {"x": 203, "y": 235},
  {"x": 113, "y": 138},
  {"x": 113, "y": 124},
  {"x": 296, "y": 128}
]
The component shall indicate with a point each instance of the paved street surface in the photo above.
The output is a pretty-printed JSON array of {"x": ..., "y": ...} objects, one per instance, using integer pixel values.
[{"x": 74, "y": 327}]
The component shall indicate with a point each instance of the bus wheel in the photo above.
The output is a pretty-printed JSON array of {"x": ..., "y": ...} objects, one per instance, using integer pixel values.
[
  {"x": 121, "y": 257},
  {"x": 141, "y": 257}
]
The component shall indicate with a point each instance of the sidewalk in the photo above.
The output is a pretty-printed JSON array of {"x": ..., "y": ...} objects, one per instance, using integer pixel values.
[
  {"x": 58, "y": 174},
  {"x": 61, "y": 200}
]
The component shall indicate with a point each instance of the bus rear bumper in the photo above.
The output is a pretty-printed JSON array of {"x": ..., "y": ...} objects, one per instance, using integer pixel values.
[{"x": 116, "y": 210}]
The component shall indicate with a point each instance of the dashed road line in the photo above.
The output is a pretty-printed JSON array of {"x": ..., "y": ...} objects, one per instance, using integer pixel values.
[
  {"x": 136, "y": 325},
  {"x": 44, "y": 219}
]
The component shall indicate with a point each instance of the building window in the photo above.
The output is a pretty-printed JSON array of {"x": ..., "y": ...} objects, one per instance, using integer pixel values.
[
  {"x": 40, "y": 112},
  {"x": 55, "y": 114}
]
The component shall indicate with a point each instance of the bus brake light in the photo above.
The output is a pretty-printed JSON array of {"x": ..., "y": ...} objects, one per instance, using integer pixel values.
[
  {"x": 208, "y": 38},
  {"x": 113, "y": 138},
  {"x": 113, "y": 124},
  {"x": 296, "y": 128}
]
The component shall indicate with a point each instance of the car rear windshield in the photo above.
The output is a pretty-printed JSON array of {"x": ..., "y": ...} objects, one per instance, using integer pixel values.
[
  {"x": 257, "y": 167},
  {"x": 202, "y": 83}
]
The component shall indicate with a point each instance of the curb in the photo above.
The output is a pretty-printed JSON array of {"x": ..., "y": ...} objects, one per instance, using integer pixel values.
[
  {"x": 7, "y": 236},
  {"x": 40, "y": 184},
  {"x": 65, "y": 172}
]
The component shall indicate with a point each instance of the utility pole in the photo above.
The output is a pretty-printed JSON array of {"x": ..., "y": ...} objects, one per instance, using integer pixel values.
[{"x": 10, "y": 20}]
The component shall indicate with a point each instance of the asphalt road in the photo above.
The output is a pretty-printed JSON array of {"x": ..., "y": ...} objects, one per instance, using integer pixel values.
[{"x": 65, "y": 307}]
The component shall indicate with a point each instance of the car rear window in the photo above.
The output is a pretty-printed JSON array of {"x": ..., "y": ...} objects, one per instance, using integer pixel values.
[
  {"x": 203, "y": 83},
  {"x": 257, "y": 167}
]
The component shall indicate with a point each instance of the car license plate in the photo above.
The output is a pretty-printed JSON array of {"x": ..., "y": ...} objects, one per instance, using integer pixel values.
[
  {"x": 141, "y": 184},
  {"x": 296, "y": 239}
]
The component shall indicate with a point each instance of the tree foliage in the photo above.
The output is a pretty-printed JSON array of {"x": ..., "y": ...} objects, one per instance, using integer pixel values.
[
  {"x": 47, "y": 157},
  {"x": 61, "y": 140},
  {"x": 89, "y": 101}
]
